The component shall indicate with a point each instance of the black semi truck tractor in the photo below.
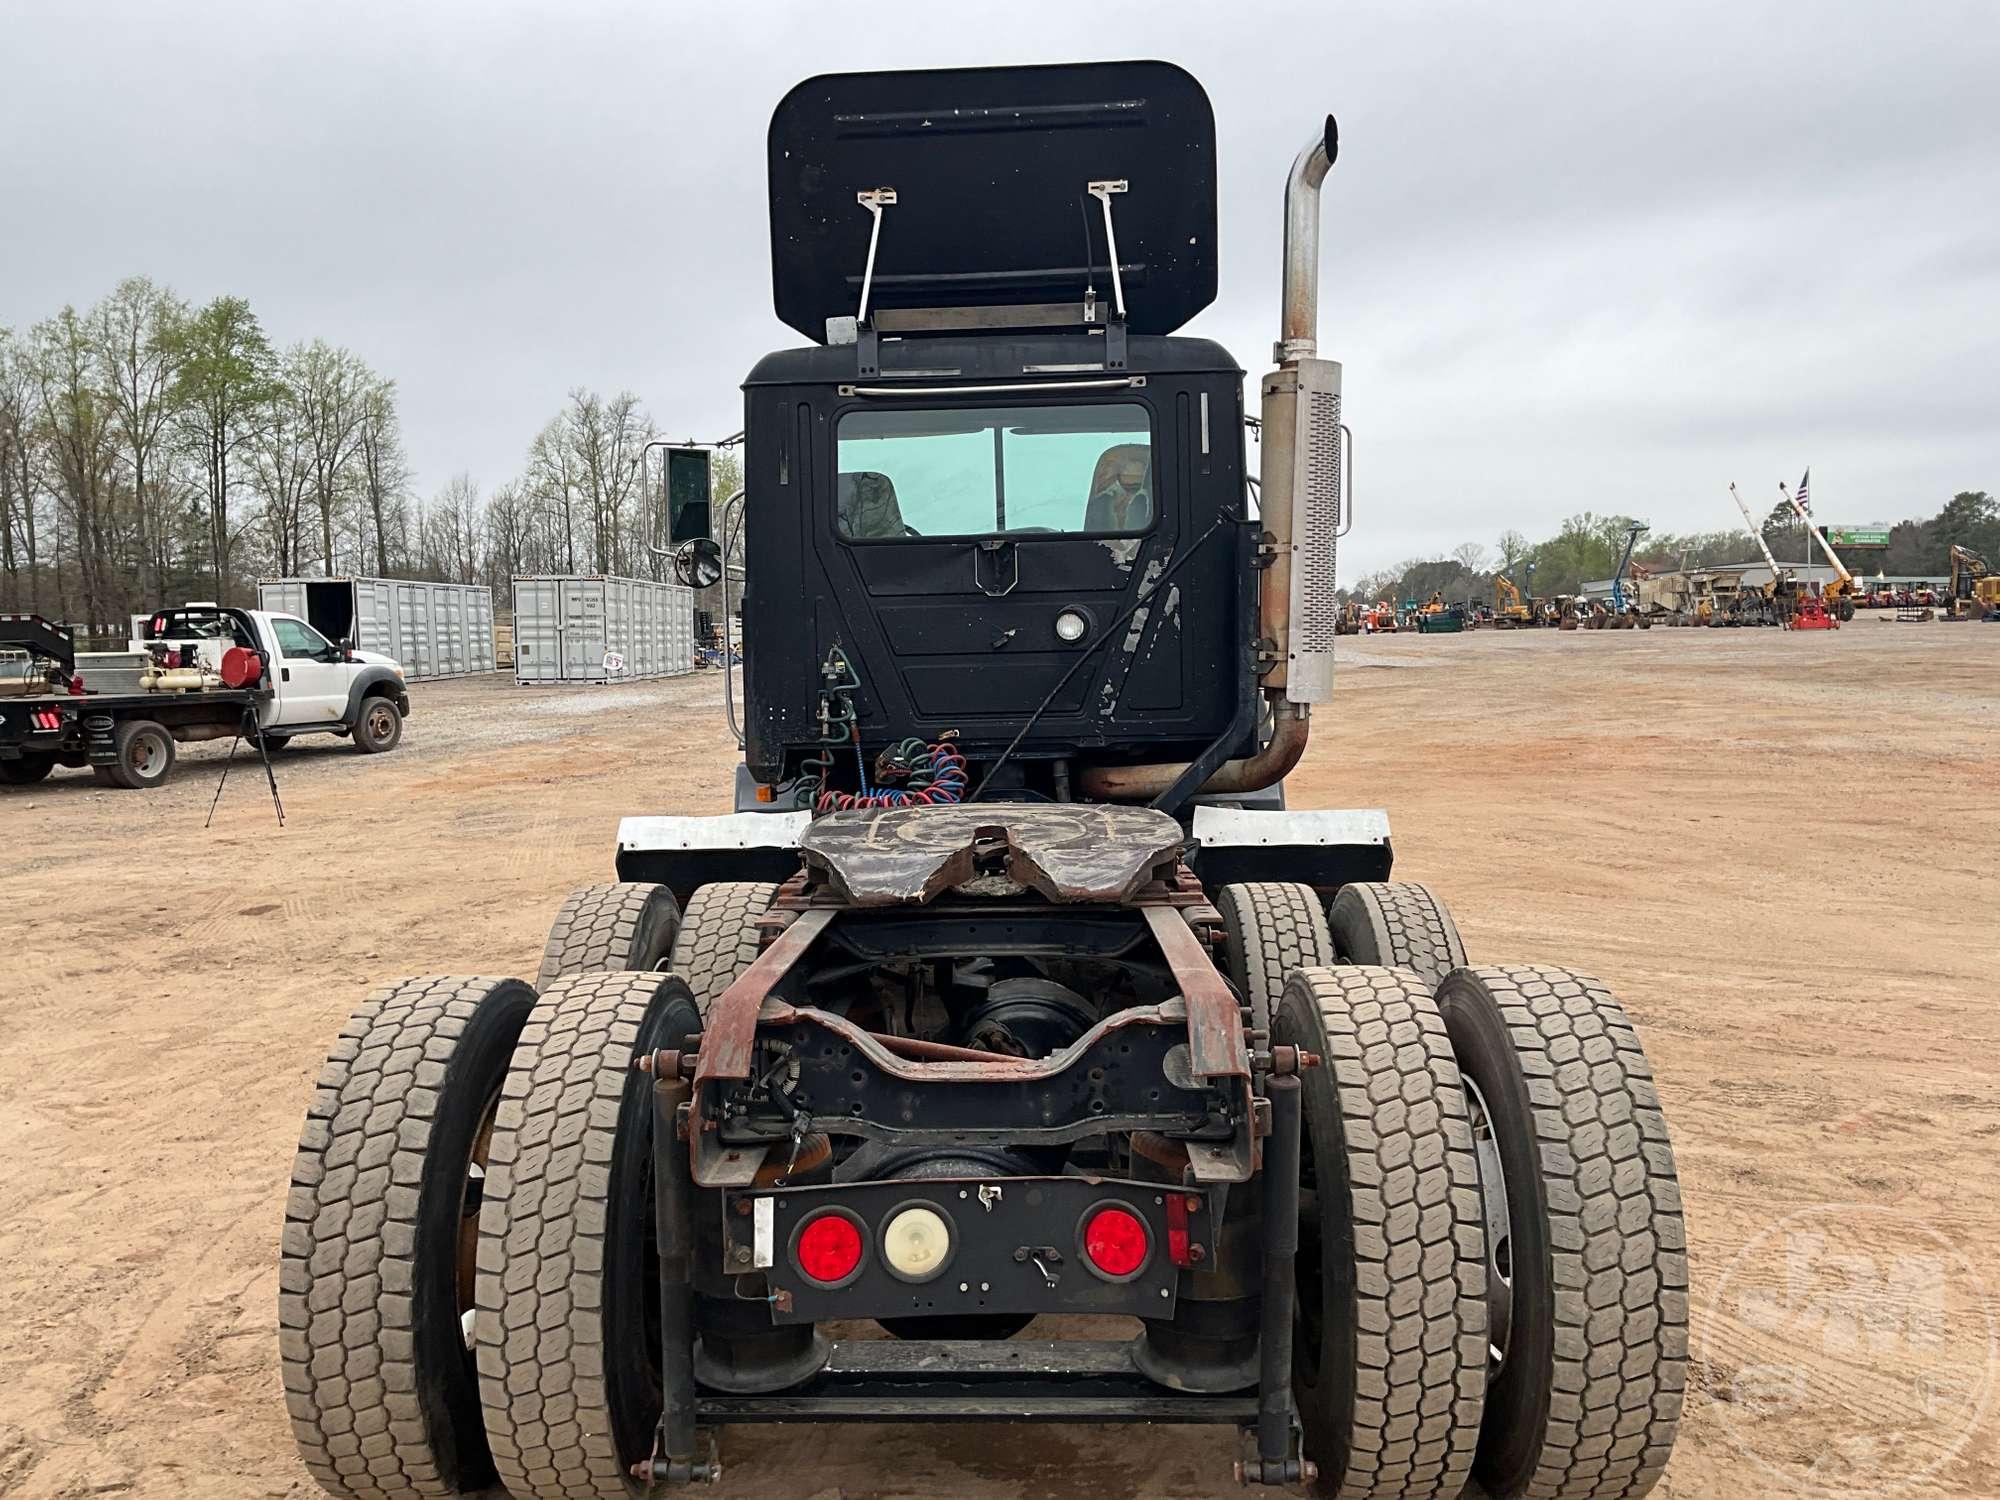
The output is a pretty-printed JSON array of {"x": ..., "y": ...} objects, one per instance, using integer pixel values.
[{"x": 1014, "y": 1052}]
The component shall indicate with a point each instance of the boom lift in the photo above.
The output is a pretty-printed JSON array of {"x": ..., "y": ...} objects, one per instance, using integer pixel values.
[
  {"x": 1770, "y": 605},
  {"x": 1012, "y": 987}
]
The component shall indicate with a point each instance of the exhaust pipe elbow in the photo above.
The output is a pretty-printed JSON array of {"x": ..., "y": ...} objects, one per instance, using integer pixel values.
[
  {"x": 1269, "y": 765},
  {"x": 1299, "y": 335}
]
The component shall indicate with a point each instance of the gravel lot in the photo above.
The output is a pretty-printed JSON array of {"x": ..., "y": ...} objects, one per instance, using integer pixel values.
[{"x": 1777, "y": 848}]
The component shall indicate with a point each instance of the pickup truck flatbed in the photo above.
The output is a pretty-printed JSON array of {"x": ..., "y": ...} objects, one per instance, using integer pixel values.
[{"x": 214, "y": 673}]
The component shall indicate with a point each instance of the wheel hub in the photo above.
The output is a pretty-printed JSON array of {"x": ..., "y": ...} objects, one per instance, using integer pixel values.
[{"x": 1499, "y": 1230}]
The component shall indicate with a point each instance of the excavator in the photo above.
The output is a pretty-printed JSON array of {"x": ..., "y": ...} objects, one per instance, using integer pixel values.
[
  {"x": 1836, "y": 600},
  {"x": 1974, "y": 590},
  {"x": 1512, "y": 610}
]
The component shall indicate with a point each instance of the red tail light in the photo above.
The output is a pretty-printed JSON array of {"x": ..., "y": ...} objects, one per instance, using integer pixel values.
[
  {"x": 828, "y": 1248},
  {"x": 1115, "y": 1241}
]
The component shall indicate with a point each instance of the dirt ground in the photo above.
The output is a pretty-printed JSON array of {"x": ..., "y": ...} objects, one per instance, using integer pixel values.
[{"x": 1777, "y": 848}]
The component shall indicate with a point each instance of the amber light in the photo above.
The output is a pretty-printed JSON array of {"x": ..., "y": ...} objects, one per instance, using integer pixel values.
[
  {"x": 1115, "y": 1241},
  {"x": 829, "y": 1248}
]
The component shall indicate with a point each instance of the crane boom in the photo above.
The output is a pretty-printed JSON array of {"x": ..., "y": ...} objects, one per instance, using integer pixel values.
[
  {"x": 1756, "y": 532},
  {"x": 1813, "y": 531}
]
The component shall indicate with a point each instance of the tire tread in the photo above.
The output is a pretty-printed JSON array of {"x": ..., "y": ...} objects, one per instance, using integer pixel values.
[
  {"x": 1419, "y": 1234},
  {"x": 1617, "y": 1239},
  {"x": 347, "y": 1258}
]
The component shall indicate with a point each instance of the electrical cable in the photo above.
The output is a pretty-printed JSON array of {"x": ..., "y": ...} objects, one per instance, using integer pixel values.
[{"x": 1110, "y": 632}]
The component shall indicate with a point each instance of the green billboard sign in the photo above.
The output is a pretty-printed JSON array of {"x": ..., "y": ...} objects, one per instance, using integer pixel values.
[{"x": 1858, "y": 536}]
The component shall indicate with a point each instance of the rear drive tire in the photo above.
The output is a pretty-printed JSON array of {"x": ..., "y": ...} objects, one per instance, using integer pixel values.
[
  {"x": 1270, "y": 928},
  {"x": 1397, "y": 924},
  {"x": 145, "y": 756},
  {"x": 1389, "y": 1341},
  {"x": 376, "y": 1270},
  {"x": 629, "y": 925},
  {"x": 1590, "y": 1328},
  {"x": 719, "y": 937},
  {"x": 26, "y": 771},
  {"x": 567, "y": 1329},
  {"x": 378, "y": 727}
]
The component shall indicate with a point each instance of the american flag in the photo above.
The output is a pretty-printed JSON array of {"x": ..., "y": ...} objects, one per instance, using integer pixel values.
[{"x": 1805, "y": 504}]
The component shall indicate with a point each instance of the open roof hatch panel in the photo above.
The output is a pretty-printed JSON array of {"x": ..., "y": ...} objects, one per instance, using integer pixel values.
[{"x": 991, "y": 169}]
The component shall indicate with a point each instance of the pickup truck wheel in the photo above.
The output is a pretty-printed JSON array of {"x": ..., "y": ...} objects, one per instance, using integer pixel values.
[
  {"x": 630, "y": 925},
  {"x": 145, "y": 756},
  {"x": 378, "y": 726},
  {"x": 26, "y": 771},
  {"x": 719, "y": 938},
  {"x": 1389, "y": 1335},
  {"x": 376, "y": 1278}
]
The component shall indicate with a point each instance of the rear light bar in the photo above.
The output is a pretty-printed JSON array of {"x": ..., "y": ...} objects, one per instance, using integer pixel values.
[{"x": 46, "y": 718}]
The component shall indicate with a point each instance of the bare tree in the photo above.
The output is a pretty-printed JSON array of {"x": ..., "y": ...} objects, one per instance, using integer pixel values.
[
  {"x": 1470, "y": 556},
  {"x": 280, "y": 458},
  {"x": 452, "y": 531},
  {"x": 1513, "y": 547},
  {"x": 20, "y": 473},
  {"x": 332, "y": 388},
  {"x": 134, "y": 331},
  {"x": 384, "y": 474},
  {"x": 553, "y": 482},
  {"x": 77, "y": 422},
  {"x": 509, "y": 524},
  {"x": 607, "y": 438}
]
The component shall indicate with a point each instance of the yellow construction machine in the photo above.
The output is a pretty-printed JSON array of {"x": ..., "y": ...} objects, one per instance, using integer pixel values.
[
  {"x": 1974, "y": 590},
  {"x": 1510, "y": 605}
]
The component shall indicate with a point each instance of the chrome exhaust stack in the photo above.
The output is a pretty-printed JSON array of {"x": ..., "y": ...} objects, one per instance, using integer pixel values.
[
  {"x": 1300, "y": 491},
  {"x": 1300, "y": 333},
  {"x": 1303, "y": 467}
]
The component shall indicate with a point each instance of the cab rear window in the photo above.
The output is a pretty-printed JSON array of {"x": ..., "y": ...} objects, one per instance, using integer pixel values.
[{"x": 995, "y": 471}]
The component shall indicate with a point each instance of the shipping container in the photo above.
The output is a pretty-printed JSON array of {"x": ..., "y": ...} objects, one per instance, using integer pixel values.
[
  {"x": 597, "y": 629},
  {"x": 433, "y": 629}
]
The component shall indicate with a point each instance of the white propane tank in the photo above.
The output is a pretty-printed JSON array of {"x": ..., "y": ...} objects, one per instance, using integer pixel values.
[{"x": 178, "y": 680}]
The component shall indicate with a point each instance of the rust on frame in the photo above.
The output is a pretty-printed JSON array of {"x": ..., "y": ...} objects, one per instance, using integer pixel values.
[
  {"x": 1215, "y": 1021},
  {"x": 732, "y": 1019}
]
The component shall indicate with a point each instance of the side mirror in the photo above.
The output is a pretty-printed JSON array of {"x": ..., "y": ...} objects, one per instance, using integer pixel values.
[
  {"x": 698, "y": 563},
  {"x": 689, "y": 490}
]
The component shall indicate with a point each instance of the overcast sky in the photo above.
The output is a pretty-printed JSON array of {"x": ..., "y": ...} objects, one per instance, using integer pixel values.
[{"x": 1578, "y": 256}]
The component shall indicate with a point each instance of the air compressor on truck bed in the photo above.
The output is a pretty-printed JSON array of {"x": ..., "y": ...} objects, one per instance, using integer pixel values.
[
  {"x": 1013, "y": 987},
  {"x": 211, "y": 673}
]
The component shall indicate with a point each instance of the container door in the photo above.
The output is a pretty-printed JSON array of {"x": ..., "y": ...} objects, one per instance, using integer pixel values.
[
  {"x": 680, "y": 631},
  {"x": 583, "y": 643},
  {"x": 645, "y": 629},
  {"x": 449, "y": 601},
  {"x": 286, "y": 597},
  {"x": 375, "y": 616},
  {"x": 538, "y": 650},
  {"x": 479, "y": 615},
  {"x": 413, "y": 621}
]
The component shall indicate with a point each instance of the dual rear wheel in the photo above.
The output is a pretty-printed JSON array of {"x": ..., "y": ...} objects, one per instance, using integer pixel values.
[
  {"x": 1491, "y": 1280},
  {"x": 1492, "y": 1275}
]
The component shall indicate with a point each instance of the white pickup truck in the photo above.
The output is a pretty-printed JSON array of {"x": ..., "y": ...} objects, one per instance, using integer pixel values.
[{"x": 210, "y": 673}]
